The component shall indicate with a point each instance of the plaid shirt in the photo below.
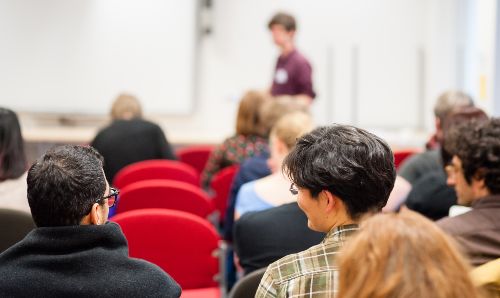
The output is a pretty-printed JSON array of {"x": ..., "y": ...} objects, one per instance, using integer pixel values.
[{"x": 310, "y": 273}]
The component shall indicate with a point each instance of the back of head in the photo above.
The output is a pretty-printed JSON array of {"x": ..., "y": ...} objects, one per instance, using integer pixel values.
[
  {"x": 450, "y": 100},
  {"x": 272, "y": 110},
  {"x": 126, "y": 107},
  {"x": 402, "y": 255},
  {"x": 283, "y": 19},
  {"x": 248, "y": 120},
  {"x": 64, "y": 184},
  {"x": 12, "y": 157},
  {"x": 477, "y": 144},
  {"x": 292, "y": 126},
  {"x": 349, "y": 162}
]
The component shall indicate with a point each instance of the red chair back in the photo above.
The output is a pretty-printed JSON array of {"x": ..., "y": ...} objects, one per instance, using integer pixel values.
[
  {"x": 195, "y": 156},
  {"x": 165, "y": 194},
  {"x": 156, "y": 169},
  {"x": 180, "y": 243},
  {"x": 221, "y": 185},
  {"x": 401, "y": 155}
]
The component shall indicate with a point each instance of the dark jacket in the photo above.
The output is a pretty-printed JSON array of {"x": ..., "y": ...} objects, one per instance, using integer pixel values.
[
  {"x": 80, "y": 261},
  {"x": 477, "y": 231},
  {"x": 127, "y": 141},
  {"x": 263, "y": 237}
]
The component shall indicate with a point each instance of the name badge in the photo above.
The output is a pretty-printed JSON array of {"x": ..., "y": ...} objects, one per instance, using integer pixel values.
[{"x": 281, "y": 76}]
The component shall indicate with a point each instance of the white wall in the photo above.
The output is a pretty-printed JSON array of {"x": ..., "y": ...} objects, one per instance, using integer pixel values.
[{"x": 75, "y": 56}]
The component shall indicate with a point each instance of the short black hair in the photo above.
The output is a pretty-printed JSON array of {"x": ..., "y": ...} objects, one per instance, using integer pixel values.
[
  {"x": 477, "y": 144},
  {"x": 349, "y": 162},
  {"x": 283, "y": 19},
  {"x": 12, "y": 158},
  {"x": 64, "y": 184}
]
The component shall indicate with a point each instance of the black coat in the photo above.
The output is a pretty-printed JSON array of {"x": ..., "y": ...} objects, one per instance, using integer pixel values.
[
  {"x": 80, "y": 261},
  {"x": 128, "y": 141}
]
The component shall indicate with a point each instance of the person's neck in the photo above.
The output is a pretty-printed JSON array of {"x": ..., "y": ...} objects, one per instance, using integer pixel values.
[{"x": 287, "y": 48}]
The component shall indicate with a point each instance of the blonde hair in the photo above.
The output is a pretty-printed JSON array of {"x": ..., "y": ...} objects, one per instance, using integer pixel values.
[
  {"x": 126, "y": 106},
  {"x": 402, "y": 255},
  {"x": 272, "y": 110},
  {"x": 292, "y": 126}
]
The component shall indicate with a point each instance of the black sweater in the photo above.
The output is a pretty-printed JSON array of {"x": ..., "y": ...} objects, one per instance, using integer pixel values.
[{"x": 80, "y": 261}]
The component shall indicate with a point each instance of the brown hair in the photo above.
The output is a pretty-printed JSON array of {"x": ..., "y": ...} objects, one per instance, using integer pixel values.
[
  {"x": 248, "y": 121},
  {"x": 126, "y": 106},
  {"x": 402, "y": 255},
  {"x": 283, "y": 19}
]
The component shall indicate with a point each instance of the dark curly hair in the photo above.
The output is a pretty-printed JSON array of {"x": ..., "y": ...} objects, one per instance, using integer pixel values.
[
  {"x": 349, "y": 162},
  {"x": 477, "y": 145}
]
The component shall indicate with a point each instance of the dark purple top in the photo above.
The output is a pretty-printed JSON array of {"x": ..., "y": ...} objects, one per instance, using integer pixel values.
[{"x": 292, "y": 76}]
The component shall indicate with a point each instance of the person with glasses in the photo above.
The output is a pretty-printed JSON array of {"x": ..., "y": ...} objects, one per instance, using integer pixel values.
[
  {"x": 339, "y": 174},
  {"x": 74, "y": 251},
  {"x": 474, "y": 172}
]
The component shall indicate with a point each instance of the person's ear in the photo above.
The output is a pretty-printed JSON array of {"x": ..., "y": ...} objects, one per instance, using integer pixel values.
[
  {"x": 331, "y": 201},
  {"x": 95, "y": 215}
]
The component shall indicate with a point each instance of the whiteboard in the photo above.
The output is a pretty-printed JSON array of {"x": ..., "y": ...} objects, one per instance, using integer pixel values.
[{"x": 76, "y": 56}]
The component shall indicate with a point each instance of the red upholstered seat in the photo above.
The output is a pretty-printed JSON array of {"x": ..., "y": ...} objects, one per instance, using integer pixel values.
[
  {"x": 165, "y": 194},
  {"x": 221, "y": 185},
  {"x": 182, "y": 244},
  {"x": 201, "y": 293},
  {"x": 156, "y": 169},
  {"x": 195, "y": 156}
]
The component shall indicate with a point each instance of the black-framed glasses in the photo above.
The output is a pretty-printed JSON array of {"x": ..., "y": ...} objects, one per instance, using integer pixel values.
[
  {"x": 293, "y": 189},
  {"x": 112, "y": 197}
]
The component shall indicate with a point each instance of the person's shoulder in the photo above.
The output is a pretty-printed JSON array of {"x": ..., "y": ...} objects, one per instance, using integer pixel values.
[
  {"x": 299, "y": 57},
  {"x": 298, "y": 264},
  {"x": 149, "y": 278},
  {"x": 460, "y": 225}
]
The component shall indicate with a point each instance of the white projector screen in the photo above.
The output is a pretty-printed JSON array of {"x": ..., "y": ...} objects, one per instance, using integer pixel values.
[{"x": 75, "y": 56}]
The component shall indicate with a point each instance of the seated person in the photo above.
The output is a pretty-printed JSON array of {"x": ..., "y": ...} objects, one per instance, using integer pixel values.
[
  {"x": 430, "y": 195},
  {"x": 272, "y": 190},
  {"x": 417, "y": 165},
  {"x": 263, "y": 237},
  {"x": 248, "y": 141},
  {"x": 474, "y": 172},
  {"x": 258, "y": 166},
  {"x": 340, "y": 173},
  {"x": 402, "y": 255},
  {"x": 129, "y": 138},
  {"x": 13, "y": 164},
  {"x": 75, "y": 251}
]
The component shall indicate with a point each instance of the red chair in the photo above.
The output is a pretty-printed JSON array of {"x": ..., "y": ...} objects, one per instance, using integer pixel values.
[
  {"x": 195, "y": 156},
  {"x": 184, "y": 245},
  {"x": 156, "y": 169},
  {"x": 401, "y": 155},
  {"x": 221, "y": 185},
  {"x": 165, "y": 194}
]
